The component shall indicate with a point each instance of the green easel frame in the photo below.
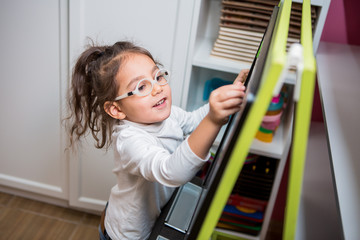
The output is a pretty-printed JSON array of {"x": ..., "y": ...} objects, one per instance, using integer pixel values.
[{"x": 301, "y": 125}]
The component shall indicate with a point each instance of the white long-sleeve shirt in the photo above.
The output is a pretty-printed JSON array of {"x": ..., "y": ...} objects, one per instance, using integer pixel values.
[{"x": 150, "y": 161}]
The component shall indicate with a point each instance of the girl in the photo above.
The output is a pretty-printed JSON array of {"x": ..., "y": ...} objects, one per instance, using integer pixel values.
[{"x": 121, "y": 94}]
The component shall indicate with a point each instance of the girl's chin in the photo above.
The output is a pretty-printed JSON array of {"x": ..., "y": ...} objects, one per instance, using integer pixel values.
[{"x": 162, "y": 116}]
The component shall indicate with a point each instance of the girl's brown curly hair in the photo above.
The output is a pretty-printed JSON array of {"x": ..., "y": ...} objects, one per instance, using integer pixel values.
[{"x": 92, "y": 84}]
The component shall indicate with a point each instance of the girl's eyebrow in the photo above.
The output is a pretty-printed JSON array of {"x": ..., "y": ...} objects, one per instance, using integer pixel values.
[
  {"x": 138, "y": 78},
  {"x": 134, "y": 80}
]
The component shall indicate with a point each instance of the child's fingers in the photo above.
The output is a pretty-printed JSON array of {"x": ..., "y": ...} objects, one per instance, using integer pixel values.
[
  {"x": 225, "y": 113},
  {"x": 232, "y": 103},
  {"x": 227, "y": 88},
  {"x": 241, "y": 77},
  {"x": 220, "y": 110},
  {"x": 227, "y": 105},
  {"x": 227, "y": 92},
  {"x": 225, "y": 101}
]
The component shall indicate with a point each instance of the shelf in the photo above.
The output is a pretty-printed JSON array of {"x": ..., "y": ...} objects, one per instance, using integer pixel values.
[
  {"x": 281, "y": 139},
  {"x": 275, "y": 149},
  {"x": 203, "y": 58}
]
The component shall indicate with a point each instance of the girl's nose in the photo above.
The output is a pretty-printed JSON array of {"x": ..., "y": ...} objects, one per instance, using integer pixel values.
[{"x": 156, "y": 89}]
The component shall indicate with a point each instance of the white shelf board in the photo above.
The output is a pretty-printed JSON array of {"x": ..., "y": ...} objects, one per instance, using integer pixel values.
[
  {"x": 280, "y": 142},
  {"x": 203, "y": 59},
  {"x": 273, "y": 149}
]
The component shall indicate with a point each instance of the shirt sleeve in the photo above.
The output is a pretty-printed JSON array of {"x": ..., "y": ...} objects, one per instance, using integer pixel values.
[
  {"x": 142, "y": 156},
  {"x": 189, "y": 120}
]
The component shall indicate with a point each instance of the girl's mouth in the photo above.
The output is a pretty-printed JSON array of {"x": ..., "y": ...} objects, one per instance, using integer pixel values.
[{"x": 162, "y": 101}]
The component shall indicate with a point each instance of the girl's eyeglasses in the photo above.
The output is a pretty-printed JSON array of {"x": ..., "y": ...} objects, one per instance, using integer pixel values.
[{"x": 145, "y": 86}]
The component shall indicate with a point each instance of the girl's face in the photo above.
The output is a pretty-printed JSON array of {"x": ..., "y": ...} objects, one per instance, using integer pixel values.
[{"x": 152, "y": 108}]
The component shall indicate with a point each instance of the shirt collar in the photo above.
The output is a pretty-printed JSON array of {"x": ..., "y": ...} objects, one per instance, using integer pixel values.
[{"x": 151, "y": 128}]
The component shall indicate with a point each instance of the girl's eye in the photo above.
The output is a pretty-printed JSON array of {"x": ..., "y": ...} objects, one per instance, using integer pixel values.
[
  {"x": 141, "y": 87},
  {"x": 160, "y": 78}
]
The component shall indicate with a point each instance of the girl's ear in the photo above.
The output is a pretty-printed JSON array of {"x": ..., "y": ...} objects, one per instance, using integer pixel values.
[{"x": 114, "y": 110}]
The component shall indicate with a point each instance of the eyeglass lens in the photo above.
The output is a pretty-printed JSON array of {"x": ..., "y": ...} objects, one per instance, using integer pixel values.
[{"x": 145, "y": 86}]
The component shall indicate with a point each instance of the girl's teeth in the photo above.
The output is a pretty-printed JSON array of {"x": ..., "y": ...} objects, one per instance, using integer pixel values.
[{"x": 159, "y": 103}]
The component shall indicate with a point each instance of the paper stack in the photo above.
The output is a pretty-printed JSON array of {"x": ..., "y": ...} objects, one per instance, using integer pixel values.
[{"x": 242, "y": 26}]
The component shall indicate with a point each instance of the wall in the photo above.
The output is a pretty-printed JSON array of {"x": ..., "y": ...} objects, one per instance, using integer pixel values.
[
  {"x": 341, "y": 26},
  {"x": 342, "y": 23}
]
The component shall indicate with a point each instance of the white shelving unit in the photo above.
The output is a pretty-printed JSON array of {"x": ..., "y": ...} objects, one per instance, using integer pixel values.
[
  {"x": 202, "y": 67},
  {"x": 277, "y": 149}
]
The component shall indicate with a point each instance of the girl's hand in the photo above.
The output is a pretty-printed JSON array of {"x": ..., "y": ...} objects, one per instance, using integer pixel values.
[
  {"x": 242, "y": 76},
  {"x": 223, "y": 102},
  {"x": 226, "y": 100}
]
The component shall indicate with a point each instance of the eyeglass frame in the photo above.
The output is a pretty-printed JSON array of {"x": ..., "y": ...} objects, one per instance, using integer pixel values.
[{"x": 137, "y": 92}]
